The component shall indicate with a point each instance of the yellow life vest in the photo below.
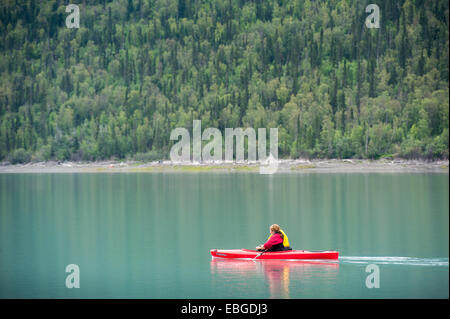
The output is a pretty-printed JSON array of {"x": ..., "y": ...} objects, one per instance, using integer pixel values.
[{"x": 285, "y": 240}]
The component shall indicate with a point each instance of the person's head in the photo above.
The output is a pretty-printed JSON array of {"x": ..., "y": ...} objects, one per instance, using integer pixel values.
[{"x": 275, "y": 229}]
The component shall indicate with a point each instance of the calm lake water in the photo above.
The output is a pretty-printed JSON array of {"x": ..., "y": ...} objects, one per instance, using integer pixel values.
[{"x": 148, "y": 235}]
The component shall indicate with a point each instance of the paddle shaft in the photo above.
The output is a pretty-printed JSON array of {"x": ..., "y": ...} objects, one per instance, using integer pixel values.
[{"x": 260, "y": 254}]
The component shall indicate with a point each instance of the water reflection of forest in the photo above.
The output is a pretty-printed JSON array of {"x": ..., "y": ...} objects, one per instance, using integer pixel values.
[{"x": 279, "y": 274}]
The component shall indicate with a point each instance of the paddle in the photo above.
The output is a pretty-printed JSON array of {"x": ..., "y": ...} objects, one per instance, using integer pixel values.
[{"x": 259, "y": 254}]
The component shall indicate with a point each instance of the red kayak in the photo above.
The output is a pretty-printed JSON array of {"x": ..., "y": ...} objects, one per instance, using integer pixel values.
[{"x": 288, "y": 254}]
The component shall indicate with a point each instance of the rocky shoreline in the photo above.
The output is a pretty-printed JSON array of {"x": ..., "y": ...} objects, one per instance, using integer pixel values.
[{"x": 284, "y": 166}]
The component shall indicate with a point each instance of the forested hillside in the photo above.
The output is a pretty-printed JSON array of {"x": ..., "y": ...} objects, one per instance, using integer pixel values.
[{"x": 136, "y": 69}]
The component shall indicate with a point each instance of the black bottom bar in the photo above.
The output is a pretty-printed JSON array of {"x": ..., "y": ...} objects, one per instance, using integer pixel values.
[{"x": 228, "y": 308}]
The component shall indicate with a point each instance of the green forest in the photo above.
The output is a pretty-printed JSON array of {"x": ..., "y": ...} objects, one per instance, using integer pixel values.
[{"x": 115, "y": 87}]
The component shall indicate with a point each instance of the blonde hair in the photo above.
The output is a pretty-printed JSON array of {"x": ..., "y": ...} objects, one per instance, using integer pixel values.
[{"x": 276, "y": 229}]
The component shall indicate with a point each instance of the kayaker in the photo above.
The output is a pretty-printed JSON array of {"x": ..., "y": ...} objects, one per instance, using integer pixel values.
[{"x": 277, "y": 240}]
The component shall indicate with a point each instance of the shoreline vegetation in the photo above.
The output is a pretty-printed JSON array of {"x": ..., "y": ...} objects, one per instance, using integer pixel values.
[
  {"x": 284, "y": 166},
  {"x": 117, "y": 86}
]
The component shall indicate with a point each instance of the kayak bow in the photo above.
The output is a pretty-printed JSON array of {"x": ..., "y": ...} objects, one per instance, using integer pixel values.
[{"x": 288, "y": 254}]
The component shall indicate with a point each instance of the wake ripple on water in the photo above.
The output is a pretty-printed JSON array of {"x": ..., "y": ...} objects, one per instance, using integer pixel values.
[{"x": 407, "y": 261}]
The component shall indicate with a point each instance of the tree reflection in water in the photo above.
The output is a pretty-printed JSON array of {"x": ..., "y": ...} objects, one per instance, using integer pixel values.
[{"x": 281, "y": 275}]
